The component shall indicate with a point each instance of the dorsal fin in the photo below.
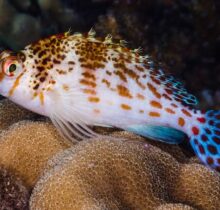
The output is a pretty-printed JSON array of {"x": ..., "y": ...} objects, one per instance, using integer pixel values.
[{"x": 172, "y": 86}]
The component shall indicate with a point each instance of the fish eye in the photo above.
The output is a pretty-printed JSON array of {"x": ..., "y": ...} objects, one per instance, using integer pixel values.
[{"x": 10, "y": 67}]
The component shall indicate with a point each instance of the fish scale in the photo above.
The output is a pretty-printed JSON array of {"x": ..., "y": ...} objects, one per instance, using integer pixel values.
[{"x": 79, "y": 81}]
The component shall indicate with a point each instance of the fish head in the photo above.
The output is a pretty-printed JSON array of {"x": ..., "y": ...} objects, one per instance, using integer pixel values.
[
  {"x": 10, "y": 69},
  {"x": 17, "y": 81}
]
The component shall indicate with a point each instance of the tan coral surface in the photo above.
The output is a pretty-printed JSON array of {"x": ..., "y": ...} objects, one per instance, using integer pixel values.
[
  {"x": 174, "y": 207},
  {"x": 11, "y": 113},
  {"x": 26, "y": 147},
  {"x": 107, "y": 174},
  {"x": 117, "y": 174}
]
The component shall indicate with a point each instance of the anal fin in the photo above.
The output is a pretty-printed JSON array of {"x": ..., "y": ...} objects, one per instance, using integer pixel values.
[{"x": 158, "y": 133}]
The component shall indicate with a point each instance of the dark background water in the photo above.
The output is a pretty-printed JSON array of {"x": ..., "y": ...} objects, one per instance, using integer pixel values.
[{"x": 182, "y": 34}]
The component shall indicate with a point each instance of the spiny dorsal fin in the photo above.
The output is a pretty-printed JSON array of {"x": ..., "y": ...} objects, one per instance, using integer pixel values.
[{"x": 172, "y": 86}]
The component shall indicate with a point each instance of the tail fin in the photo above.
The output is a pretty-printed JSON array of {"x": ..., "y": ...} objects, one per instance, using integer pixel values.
[{"x": 206, "y": 139}]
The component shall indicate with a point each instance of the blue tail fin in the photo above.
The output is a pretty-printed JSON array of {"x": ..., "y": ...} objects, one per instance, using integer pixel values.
[{"x": 206, "y": 139}]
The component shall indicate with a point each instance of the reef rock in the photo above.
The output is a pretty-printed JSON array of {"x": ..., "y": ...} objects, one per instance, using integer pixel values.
[
  {"x": 10, "y": 113},
  {"x": 26, "y": 147},
  {"x": 120, "y": 174},
  {"x": 13, "y": 194}
]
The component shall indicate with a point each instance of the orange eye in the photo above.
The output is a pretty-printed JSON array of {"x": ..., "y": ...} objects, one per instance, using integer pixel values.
[{"x": 11, "y": 67}]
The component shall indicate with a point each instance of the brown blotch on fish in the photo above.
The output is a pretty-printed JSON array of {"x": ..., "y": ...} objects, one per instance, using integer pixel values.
[
  {"x": 105, "y": 81},
  {"x": 40, "y": 68},
  {"x": 109, "y": 73},
  {"x": 22, "y": 56},
  {"x": 181, "y": 121},
  {"x": 140, "y": 96},
  {"x": 125, "y": 107},
  {"x": 89, "y": 91},
  {"x": 42, "y": 79},
  {"x": 123, "y": 91},
  {"x": 88, "y": 75},
  {"x": 71, "y": 63},
  {"x": 156, "y": 104},
  {"x": 94, "y": 99},
  {"x": 167, "y": 97},
  {"x": 153, "y": 90},
  {"x": 2, "y": 75},
  {"x": 55, "y": 61},
  {"x": 154, "y": 114},
  {"x": 174, "y": 105},
  {"x": 87, "y": 83},
  {"x": 121, "y": 75},
  {"x": 65, "y": 87},
  {"x": 186, "y": 113},
  {"x": 36, "y": 86},
  {"x": 170, "y": 111},
  {"x": 15, "y": 85},
  {"x": 41, "y": 96}
]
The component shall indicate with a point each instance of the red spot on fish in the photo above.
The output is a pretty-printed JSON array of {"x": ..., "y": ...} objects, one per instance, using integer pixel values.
[
  {"x": 201, "y": 119},
  {"x": 217, "y": 133},
  {"x": 212, "y": 149},
  {"x": 216, "y": 140},
  {"x": 195, "y": 130},
  {"x": 204, "y": 138},
  {"x": 208, "y": 131},
  {"x": 210, "y": 160},
  {"x": 196, "y": 142},
  {"x": 201, "y": 149},
  {"x": 211, "y": 122}
]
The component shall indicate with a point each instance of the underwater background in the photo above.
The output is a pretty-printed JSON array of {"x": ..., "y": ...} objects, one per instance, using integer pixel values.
[{"x": 184, "y": 36}]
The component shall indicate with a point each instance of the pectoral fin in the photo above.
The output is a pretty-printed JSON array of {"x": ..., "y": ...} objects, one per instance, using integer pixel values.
[{"x": 158, "y": 133}]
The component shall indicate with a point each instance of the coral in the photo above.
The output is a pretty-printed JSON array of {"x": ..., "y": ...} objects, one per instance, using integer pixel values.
[
  {"x": 178, "y": 152},
  {"x": 198, "y": 186},
  {"x": 174, "y": 207},
  {"x": 10, "y": 113},
  {"x": 121, "y": 174},
  {"x": 26, "y": 146},
  {"x": 106, "y": 174},
  {"x": 13, "y": 195}
]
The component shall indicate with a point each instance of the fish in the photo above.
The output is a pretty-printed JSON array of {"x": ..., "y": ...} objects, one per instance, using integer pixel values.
[{"x": 80, "y": 81}]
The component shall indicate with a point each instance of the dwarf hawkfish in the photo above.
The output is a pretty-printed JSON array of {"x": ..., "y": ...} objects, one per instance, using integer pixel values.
[{"x": 80, "y": 81}]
